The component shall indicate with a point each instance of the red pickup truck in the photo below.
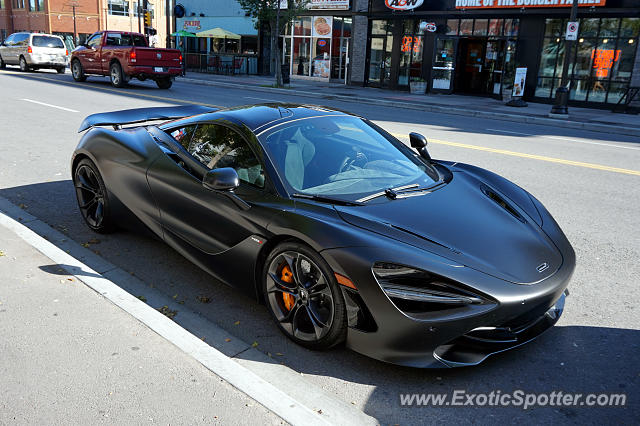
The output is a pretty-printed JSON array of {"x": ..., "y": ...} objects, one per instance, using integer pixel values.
[{"x": 123, "y": 55}]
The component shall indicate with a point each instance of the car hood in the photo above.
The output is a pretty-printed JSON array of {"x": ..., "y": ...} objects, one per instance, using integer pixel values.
[{"x": 467, "y": 222}]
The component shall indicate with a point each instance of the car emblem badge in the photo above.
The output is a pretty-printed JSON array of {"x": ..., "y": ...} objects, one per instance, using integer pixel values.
[
  {"x": 159, "y": 55},
  {"x": 542, "y": 267}
]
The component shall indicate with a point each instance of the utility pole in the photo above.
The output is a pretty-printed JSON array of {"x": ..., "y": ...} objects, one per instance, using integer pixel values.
[
  {"x": 562, "y": 93},
  {"x": 74, "y": 5},
  {"x": 140, "y": 13}
]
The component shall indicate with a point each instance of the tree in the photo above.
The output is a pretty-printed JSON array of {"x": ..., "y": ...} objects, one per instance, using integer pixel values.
[{"x": 268, "y": 11}]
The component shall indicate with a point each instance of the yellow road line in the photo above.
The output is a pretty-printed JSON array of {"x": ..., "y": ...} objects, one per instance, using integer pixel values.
[
  {"x": 401, "y": 136},
  {"x": 530, "y": 156}
]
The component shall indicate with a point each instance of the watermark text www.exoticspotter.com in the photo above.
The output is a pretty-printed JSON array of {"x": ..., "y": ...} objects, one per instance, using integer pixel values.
[{"x": 517, "y": 398}]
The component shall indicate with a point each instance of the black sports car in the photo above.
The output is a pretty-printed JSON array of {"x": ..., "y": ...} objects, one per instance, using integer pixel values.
[{"x": 345, "y": 233}]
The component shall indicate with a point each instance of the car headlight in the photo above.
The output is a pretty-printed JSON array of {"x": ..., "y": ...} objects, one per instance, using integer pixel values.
[{"x": 422, "y": 294}]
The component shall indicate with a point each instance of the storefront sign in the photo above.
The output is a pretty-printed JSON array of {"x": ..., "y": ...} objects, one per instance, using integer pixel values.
[
  {"x": 403, "y": 4},
  {"x": 428, "y": 26},
  {"x": 191, "y": 25},
  {"x": 603, "y": 60},
  {"x": 520, "y": 4},
  {"x": 322, "y": 26},
  {"x": 572, "y": 31},
  {"x": 519, "y": 82},
  {"x": 329, "y": 4}
]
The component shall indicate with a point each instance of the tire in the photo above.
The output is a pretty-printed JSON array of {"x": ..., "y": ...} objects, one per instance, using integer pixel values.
[
  {"x": 24, "y": 67},
  {"x": 3, "y": 65},
  {"x": 76, "y": 71},
  {"x": 115, "y": 73},
  {"x": 164, "y": 83},
  {"x": 60, "y": 70},
  {"x": 92, "y": 197},
  {"x": 303, "y": 297}
]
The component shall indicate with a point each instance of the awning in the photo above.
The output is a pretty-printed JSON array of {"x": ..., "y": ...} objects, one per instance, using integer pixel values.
[
  {"x": 218, "y": 33},
  {"x": 182, "y": 33}
]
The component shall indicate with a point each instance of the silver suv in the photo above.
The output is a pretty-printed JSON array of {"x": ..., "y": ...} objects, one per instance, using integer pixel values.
[{"x": 34, "y": 51}]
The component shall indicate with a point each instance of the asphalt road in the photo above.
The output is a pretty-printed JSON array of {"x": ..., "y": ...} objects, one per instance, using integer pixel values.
[{"x": 588, "y": 180}]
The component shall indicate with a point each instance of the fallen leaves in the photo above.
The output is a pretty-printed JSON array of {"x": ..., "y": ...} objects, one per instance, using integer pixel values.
[
  {"x": 144, "y": 299},
  {"x": 2, "y": 253},
  {"x": 164, "y": 310},
  {"x": 227, "y": 340},
  {"x": 254, "y": 345},
  {"x": 236, "y": 323},
  {"x": 203, "y": 299}
]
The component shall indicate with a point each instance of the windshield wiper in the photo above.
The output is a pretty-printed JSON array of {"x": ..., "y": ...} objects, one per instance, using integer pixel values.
[
  {"x": 330, "y": 200},
  {"x": 391, "y": 193}
]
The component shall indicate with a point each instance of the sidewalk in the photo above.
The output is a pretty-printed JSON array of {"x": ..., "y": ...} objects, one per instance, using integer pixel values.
[
  {"x": 475, "y": 106},
  {"x": 68, "y": 356}
]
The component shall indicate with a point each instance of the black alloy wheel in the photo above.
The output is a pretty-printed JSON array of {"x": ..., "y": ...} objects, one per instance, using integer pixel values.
[
  {"x": 303, "y": 297},
  {"x": 92, "y": 197}
]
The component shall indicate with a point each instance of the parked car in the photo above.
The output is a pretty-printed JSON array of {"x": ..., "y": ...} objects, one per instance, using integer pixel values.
[
  {"x": 34, "y": 51},
  {"x": 122, "y": 56}
]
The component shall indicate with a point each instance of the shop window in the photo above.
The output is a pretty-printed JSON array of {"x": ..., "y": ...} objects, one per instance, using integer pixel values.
[
  {"x": 554, "y": 27},
  {"x": 630, "y": 27},
  {"x": 598, "y": 90},
  {"x": 452, "y": 26},
  {"x": 609, "y": 27},
  {"x": 616, "y": 91},
  {"x": 466, "y": 26},
  {"x": 480, "y": 27},
  {"x": 584, "y": 58},
  {"x": 495, "y": 27},
  {"x": 623, "y": 62},
  {"x": 302, "y": 26},
  {"x": 589, "y": 27},
  {"x": 301, "y": 51},
  {"x": 408, "y": 26},
  {"x": 511, "y": 27},
  {"x": 544, "y": 87},
  {"x": 549, "y": 57},
  {"x": 578, "y": 91},
  {"x": 249, "y": 45},
  {"x": 380, "y": 27}
]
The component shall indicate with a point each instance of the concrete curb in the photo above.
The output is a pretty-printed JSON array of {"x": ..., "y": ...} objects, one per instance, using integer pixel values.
[
  {"x": 277, "y": 387},
  {"x": 543, "y": 121}
]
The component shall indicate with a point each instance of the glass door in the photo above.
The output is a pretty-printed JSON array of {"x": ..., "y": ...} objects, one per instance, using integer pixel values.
[
  {"x": 443, "y": 69},
  {"x": 493, "y": 64},
  {"x": 380, "y": 47},
  {"x": 340, "y": 48}
]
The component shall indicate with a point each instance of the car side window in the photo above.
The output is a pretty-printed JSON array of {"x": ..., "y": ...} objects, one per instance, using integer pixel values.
[
  {"x": 22, "y": 40},
  {"x": 183, "y": 135},
  {"x": 94, "y": 41},
  {"x": 217, "y": 146},
  {"x": 10, "y": 40}
]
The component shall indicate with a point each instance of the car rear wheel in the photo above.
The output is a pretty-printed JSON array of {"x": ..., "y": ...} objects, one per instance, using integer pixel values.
[
  {"x": 164, "y": 83},
  {"x": 23, "y": 64},
  {"x": 115, "y": 72},
  {"x": 92, "y": 196},
  {"x": 3, "y": 65},
  {"x": 60, "y": 70},
  {"x": 303, "y": 297},
  {"x": 76, "y": 71}
]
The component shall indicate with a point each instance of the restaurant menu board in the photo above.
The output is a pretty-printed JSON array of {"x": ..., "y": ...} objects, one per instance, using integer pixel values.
[
  {"x": 322, "y": 26},
  {"x": 328, "y": 4},
  {"x": 519, "y": 81}
]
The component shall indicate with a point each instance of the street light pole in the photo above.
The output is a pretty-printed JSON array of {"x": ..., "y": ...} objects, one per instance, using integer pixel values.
[{"x": 562, "y": 92}]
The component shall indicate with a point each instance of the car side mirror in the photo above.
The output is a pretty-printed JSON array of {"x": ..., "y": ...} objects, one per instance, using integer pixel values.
[
  {"x": 222, "y": 179},
  {"x": 419, "y": 142}
]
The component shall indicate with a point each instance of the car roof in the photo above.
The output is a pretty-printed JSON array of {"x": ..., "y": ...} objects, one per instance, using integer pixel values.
[{"x": 261, "y": 117}]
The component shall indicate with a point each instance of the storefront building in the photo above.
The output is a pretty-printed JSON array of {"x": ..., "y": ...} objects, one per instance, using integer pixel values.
[{"x": 474, "y": 47}]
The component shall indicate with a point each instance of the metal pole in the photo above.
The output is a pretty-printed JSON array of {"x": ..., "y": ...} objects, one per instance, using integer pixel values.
[
  {"x": 562, "y": 92},
  {"x": 139, "y": 16},
  {"x": 75, "y": 32}
]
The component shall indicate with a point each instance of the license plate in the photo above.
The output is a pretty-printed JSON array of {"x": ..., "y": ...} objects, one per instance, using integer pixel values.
[{"x": 158, "y": 69}]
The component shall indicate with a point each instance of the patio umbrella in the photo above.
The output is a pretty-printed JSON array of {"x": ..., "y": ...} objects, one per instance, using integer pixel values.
[
  {"x": 218, "y": 33},
  {"x": 182, "y": 33}
]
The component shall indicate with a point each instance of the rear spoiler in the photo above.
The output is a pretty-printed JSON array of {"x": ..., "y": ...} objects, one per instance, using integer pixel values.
[{"x": 140, "y": 115}]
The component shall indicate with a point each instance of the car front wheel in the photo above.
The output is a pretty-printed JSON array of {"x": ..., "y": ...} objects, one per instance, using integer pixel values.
[
  {"x": 92, "y": 196},
  {"x": 76, "y": 71},
  {"x": 303, "y": 296},
  {"x": 60, "y": 70}
]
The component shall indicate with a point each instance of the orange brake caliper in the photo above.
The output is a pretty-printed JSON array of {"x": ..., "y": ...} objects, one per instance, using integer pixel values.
[{"x": 287, "y": 277}]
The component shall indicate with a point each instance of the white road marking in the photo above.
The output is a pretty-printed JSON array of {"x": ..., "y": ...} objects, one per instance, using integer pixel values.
[
  {"x": 235, "y": 373},
  {"x": 49, "y": 105},
  {"x": 562, "y": 138}
]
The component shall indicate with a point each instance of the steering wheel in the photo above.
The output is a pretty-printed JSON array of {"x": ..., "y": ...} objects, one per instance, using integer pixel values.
[{"x": 357, "y": 158}]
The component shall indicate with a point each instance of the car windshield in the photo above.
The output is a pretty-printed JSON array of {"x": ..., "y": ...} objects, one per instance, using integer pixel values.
[
  {"x": 47, "y": 41},
  {"x": 343, "y": 156}
]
